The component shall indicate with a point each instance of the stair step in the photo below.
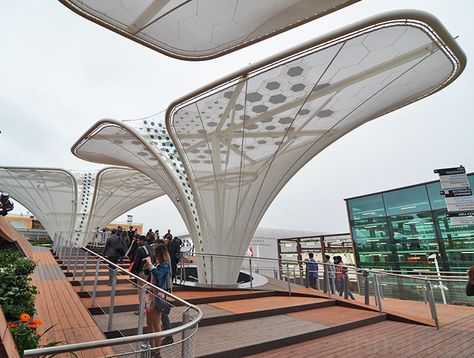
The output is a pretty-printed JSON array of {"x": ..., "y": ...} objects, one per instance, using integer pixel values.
[{"x": 242, "y": 338}]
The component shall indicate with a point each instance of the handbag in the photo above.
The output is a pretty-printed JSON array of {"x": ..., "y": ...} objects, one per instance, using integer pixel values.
[{"x": 162, "y": 305}]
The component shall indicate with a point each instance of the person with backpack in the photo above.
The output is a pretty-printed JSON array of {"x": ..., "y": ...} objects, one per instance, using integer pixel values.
[
  {"x": 143, "y": 251},
  {"x": 161, "y": 277}
]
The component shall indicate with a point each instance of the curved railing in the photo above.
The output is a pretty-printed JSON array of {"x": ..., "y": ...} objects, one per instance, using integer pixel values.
[{"x": 178, "y": 339}]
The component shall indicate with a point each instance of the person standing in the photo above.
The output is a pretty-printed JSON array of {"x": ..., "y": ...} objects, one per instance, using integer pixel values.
[
  {"x": 312, "y": 271},
  {"x": 161, "y": 277},
  {"x": 113, "y": 250},
  {"x": 470, "y": 282},
  {"x": 329, "y": 271},
  {"x": 174, "y": 249}
]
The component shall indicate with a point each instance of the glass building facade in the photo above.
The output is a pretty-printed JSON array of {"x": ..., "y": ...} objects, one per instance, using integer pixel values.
[{"x": 398, "y": 229}]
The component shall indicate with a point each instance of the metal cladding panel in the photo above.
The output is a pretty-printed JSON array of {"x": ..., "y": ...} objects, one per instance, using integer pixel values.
[
  {"x": 202, "y": 29},
  {"x": 50, "y": 194},
  {"x": 243, "y": 138}
]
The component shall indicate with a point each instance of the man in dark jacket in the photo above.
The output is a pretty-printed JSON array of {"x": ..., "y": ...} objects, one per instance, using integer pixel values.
[
  {"x": 174, "y": 249},
  {"x": 6, "y": 204},
  {"x": 143, "y": 251},
  {"x": 113, "y": 250}
]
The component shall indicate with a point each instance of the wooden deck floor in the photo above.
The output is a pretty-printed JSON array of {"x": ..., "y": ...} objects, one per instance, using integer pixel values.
[
  {"x": 389, "y": 339},
  {"x": 58, "y": 304}
]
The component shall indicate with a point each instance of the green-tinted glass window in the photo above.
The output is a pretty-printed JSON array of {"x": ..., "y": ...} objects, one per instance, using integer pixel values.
[
  {"x": 367, "y": 207},
  {"x": 436, "y": 199},
  {"x": 407, "y": 200},
  {"x": 414, "y": 233}
]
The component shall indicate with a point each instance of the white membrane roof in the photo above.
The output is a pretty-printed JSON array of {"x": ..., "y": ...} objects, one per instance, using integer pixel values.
[
  {"x": 201, "y": 29},
  {"x": 241, "y": 139},
  {"x": 65, "y": 202},
  {"x": 145, "y": 146},
  {"x": 230, "y": 147},
  {"x": 50, "y": 194}
]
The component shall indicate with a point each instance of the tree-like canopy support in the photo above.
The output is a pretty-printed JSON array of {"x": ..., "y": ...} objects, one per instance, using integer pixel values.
[
  {"x": 75, "y": 203},
  {"x": 236, "y": 142}
]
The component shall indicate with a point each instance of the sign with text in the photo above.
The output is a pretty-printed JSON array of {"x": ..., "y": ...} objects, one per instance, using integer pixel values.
[
  {"x": 457, "y": 195},
  {"x": 452, "y": 178}
]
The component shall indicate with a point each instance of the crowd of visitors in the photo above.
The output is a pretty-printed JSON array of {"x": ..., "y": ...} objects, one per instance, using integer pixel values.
[
  {"x": 154, "y": 259},
  {"x": 335, "y": 270}
]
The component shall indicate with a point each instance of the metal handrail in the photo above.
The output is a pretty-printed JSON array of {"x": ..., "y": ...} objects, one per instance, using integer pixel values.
[
  {"x": 59, "y": 240},
  {"x": 349, "y": 266}
]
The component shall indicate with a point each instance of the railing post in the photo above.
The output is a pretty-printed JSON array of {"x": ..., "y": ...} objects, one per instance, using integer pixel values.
[
  {"x": 288, "y": 278},
  {"x": 70, "y": 255},
  {"x": 96, "y": 278},
  {"x": 84, "y": 267},
  {"x": 430, "y": 295},
  {"x": 75, "y": 264},
  {"x": 365, "y": 274},
  {"x": 251, "y": 276},
  {"x": 60, "y": 243},
  {"x": 212, "y": 271},
  {"x": 346, "y": 284},
  {"x": 112, "y": 300},
  {"x": 141, "y": 314},
  {"x": 327, "y": 282},
  {"x": 275, "y": 273},
  {"x": 186, "y": 351},
  {"x": 378, "y": 297}
]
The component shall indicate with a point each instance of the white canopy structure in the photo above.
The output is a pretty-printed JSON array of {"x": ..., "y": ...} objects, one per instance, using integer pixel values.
[
  {"x": 242, "y": 138},
  {"x": 201, "y": 29},
  {"x": 76, "y": 202}
]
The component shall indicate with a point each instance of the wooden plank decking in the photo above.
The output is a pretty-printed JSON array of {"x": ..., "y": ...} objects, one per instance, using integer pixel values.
[{"x": 58, "y": 304}]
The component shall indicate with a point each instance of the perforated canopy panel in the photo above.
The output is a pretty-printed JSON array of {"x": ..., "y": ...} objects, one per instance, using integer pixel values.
[
  {"x": 201, "y": 29},
  {"x": 75, "y": 203},
  {"x": 50, "y": 194},
  {"x": 145, "y": 146},
  {"x": 243, "y": 138}
]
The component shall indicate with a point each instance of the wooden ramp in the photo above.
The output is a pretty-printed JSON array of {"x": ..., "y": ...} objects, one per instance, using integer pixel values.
[{"x": 58, "y": 304}]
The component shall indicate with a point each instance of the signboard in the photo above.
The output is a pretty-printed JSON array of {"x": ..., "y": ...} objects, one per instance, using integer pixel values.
[
  {"x": 452, "y": 178},
  {"x": 129, "y": 219},
  {"x": 457, "y": 195},
  {"x": 459, "y": 200}
]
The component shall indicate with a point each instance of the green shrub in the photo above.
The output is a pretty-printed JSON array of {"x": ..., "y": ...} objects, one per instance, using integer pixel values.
[{"x": 17, "y": 295}]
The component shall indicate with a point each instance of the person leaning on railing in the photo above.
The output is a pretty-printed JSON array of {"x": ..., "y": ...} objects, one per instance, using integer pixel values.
[{"x": 470, "y": 282}]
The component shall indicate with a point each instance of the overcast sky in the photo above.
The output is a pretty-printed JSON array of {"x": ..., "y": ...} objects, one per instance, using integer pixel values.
[{"x": 60, "y": 73}]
